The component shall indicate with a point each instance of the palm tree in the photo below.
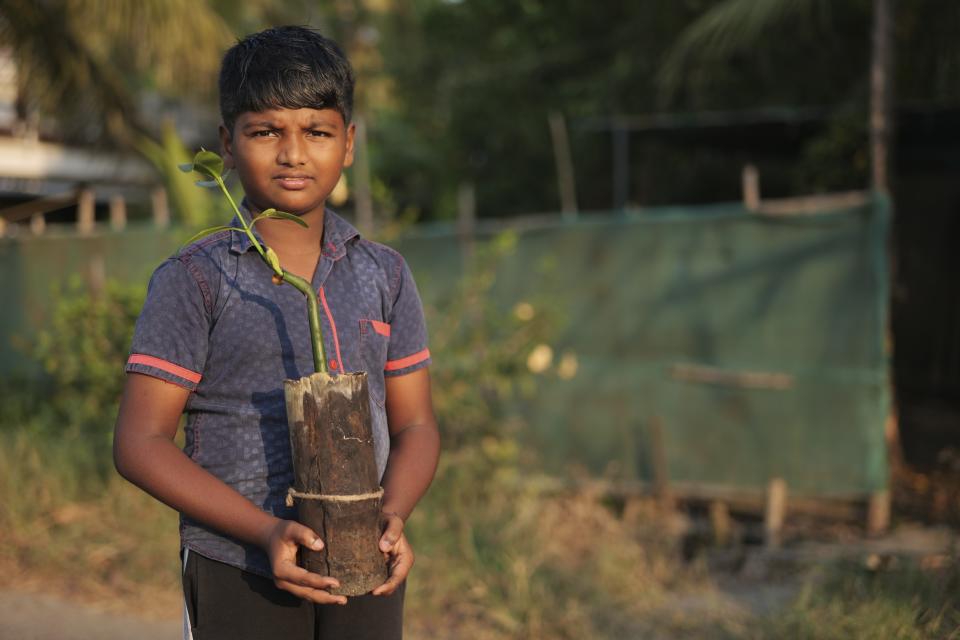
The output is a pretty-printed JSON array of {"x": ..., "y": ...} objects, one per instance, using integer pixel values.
[
  {"x": 732, "y": 26},
  {"x": 89, "y": 59}
]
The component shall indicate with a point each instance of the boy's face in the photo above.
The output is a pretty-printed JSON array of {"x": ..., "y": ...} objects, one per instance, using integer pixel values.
[{"x": 289, "y": 159}]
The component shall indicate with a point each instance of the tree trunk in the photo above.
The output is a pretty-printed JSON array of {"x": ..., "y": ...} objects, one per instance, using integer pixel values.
[{"x": 336, "y": 484}]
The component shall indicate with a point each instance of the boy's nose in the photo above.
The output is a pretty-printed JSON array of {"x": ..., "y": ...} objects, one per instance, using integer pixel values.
[{"x": 291, "y": 151}]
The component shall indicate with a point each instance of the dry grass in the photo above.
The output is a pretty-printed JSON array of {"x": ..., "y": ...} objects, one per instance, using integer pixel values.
[
  {"x": 500, "y": 555},
  {"x": 71, "y": 526}
]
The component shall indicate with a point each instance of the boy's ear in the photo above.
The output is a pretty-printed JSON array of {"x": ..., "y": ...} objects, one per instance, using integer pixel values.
[
  {"x": 351, "y": 133},
  {"x": 226, "y": 147}
]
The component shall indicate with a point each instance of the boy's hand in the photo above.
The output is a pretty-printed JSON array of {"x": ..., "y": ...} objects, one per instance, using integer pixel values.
[
  {"x": 281, "y": 546},
  {"x": 398, "y": 552}
]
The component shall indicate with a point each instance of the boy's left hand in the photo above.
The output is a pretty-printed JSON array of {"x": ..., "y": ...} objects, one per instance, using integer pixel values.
[{"x": 398, "y": 552}]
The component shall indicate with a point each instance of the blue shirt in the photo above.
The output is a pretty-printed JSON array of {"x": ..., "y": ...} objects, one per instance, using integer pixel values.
[{"x": 214, "y": 323}]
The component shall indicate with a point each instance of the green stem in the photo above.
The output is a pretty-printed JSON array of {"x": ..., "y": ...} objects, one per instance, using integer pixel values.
[
  {"x": 304, "y": 287},
  {"x": 313, "y": 312},
  {"x": 236, "y": 209}
]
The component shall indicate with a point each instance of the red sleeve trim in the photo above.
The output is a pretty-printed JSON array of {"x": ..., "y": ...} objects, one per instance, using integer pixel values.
[
  {"x": 409, "y": 361},
  {"x": 163, "y": 365}
]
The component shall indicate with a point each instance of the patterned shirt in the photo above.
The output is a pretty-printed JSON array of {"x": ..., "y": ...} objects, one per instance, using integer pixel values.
[{"x": 214, "y": 323}]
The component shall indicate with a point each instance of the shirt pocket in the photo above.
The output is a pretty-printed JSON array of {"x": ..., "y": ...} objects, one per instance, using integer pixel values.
[{"x": 374, "y": 342}]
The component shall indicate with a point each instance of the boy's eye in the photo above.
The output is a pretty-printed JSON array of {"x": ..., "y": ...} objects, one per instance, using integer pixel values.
[
  {"x": 316, "y": 132},
  {"x": 262, "y": 132}
]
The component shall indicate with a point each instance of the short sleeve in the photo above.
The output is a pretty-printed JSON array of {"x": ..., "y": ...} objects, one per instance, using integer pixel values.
[
  {"x": 408, "y": 330},
  {"x": 171, "y": 335}
]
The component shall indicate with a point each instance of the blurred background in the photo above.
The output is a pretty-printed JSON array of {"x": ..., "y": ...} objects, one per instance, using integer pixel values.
[{"x": 686, "y": 269}]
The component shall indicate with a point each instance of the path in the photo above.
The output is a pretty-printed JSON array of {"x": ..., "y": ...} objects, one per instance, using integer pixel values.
[{"x": 29, "y": 616}]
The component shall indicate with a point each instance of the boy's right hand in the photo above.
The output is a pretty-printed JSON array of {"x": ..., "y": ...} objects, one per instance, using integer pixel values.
[{"x": 281, "y": 544}]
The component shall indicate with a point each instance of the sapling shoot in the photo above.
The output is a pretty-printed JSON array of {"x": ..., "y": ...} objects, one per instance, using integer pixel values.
[{"x": 210, "y": 165}]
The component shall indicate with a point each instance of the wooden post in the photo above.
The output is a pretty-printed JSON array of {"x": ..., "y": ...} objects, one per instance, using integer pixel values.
[
  {"x": 566, "y": 183},
  {"x": 775, "y": 513},
  {"x": 878, "y": 512},
  {"x": 720, "y": 523},
  {"x": 336, "y": 484},
  {"x": 3, "y": 226},
  {"x": 466, "y": 216},
  {"x": 38, "y": 224},
  {"x": 118, "y": 213},
  {"x": 621, "y": 166},
  {"x": 363, "y": 198},
  {"x": 881, "y": 94},
  {"x": 161, "y": 210},
  {"x": 750, "y": 179},
  {"x": 98, "y": 275},
  {"x": 86, "y": 210},
  {"x": 661, "y": 473}
]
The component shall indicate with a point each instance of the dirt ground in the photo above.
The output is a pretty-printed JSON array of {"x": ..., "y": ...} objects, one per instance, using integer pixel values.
[
  {"x": 36, "y": 616},
  {"x": 748, "y": 582}
]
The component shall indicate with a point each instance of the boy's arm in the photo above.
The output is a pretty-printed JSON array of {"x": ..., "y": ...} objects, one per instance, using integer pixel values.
[
  {"x": 145, "y": 454},
  {"x": 414, "y": 452}
]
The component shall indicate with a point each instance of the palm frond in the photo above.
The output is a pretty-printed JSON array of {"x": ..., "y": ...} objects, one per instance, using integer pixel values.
[{"x": 728, "y": 27}]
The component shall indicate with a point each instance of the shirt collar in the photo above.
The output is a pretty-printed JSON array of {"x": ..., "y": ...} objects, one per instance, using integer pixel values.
[{"x": 336, "y": 233}]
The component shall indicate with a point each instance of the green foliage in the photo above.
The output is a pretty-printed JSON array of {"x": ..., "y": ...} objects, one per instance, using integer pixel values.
[
  {"x": 838, "y": 157},
  {"x": 82, "y": 351},
  {"x": 480, "y": 370}
]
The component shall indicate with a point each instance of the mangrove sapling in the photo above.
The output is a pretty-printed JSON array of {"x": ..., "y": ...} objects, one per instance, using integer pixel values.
[
  {"x": 210, "y": 164},
  {"x": 336, "y": 481}
]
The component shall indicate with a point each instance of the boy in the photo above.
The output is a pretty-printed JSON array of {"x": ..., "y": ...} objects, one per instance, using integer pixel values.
[{"x": 216, "y": 339}]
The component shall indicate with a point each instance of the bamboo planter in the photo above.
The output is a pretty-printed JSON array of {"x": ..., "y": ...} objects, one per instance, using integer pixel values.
[{"x": 336, "y": 484}]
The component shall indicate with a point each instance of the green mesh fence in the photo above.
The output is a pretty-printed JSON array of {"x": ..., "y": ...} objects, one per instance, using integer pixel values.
[{"x": 756, "y": 343}]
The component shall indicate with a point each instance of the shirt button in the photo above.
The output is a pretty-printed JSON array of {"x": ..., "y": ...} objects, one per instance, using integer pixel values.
[{"x": 333, "y": 364}]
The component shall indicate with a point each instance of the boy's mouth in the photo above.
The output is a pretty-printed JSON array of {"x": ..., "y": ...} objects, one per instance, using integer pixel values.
[{"x": 292, "y": 181}]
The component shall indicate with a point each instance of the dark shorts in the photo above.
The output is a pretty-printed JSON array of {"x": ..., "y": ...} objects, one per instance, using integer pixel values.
[{"x": 224, "y": 602}]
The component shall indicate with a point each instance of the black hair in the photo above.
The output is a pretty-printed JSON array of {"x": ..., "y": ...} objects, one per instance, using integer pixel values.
[{"x": 285, "y": 67}]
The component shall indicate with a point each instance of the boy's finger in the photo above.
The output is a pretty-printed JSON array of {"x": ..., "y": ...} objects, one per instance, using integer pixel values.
[
  {"x": 307, "y": 538},
  {"x": 314, "y": 595},
  {"x": 398, "y": 573},
  {"x": 295, "y": 575},
  {"x": 391, "y": 533}
]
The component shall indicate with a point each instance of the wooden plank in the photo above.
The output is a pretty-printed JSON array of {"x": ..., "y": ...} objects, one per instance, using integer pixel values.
[
  {"x": 724, "y": 377},
  {"x": 46, "y": 204},
  {"x": 811, "y": 205},
  {"x": 846, "y": 508}
]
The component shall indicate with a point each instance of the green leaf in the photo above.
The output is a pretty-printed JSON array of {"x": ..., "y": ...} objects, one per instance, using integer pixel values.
[
  {"x": 186, "y": 167},
  {"x": 273, "y": 213},
  {"x": 208, "y": 163},
  {"x": 273, "y": 260},
  {"x": 210, "y": 231},
  {"x": 265, "y": 214},
  {"x": 208, "y": 184}
]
